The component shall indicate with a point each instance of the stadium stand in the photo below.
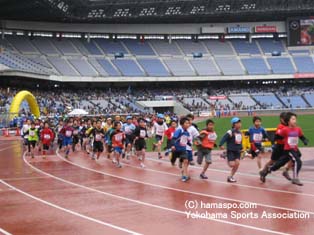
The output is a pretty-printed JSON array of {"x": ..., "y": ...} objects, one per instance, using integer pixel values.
[
  {"x": 128, "y": 67},
  {"x": 218, "y": 48},
  {"x": 281, "y": 65},
  {"x": 153, "y": 67},
  {"x": 204, "y": 67},
  {"x": 179, "y": 67},
  {"x": 304, "y": 64},
  {"x": 230, "y": 65},
  {"x": 245, "y": 47},
  {"x": 189, "y": 47},
  {"x": 255, "y": 66},
  {"x": 138, "y": 48},
  {"x": 270, "y": 45},
  {"x": 164, "y": 48}
]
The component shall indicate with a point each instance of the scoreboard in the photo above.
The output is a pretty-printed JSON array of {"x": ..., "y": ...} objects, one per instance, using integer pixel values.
[{"x": 300, "y": 31}]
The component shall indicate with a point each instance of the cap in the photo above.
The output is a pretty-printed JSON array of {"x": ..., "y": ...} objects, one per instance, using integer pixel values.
[
  {"x": 235, "y": 120},
  {"x": 160, "y": 116}
]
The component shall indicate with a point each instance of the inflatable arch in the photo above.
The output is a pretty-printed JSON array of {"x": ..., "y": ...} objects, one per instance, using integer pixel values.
[{"x": 18, "y": 99}]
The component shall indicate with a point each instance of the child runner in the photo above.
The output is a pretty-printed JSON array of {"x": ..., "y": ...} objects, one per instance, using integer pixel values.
[
  {"x": 257, "y": 134},
  {"x": 128, "y": 129},
  {"x": 67, "y": 132},
  {"x": 108, "y": 130},
  {"x": 32, "y": 133},
  {"x": 180, "y": 140},
  {"x": 159, "y": 129},
  {"x": 76, "y": 136},
  {"x": 46, "y": 137},
  {"x": 233, "y": 138},
  {"x": 277, "y": 149},
  {"x": 206, "y": 142},
  {"x": 117, "y": 138},
  {"x": 140, "y": 143},
  {"x": 169, "y": 134},
  {"x": 98, "y": 134},
  {"x": 25, "y": 128},
  {"x": 60, "y": 136},
  {"x": 193, "y": 130},
  {"x": 291, "y": 135}
]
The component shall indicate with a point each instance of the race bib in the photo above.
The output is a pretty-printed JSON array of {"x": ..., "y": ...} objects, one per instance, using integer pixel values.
[
  {"x": 98, "y": 137},
  {"x": 118, "y": 137},
  {"x": 68, "y": 133},
  {"x": 212, "y": 137},
  {"x": 46, "y": 137},
  {"x": 75, "y": 132},
  {"x": 238, "y": 138},
  {"x": 127, "y": 130},
  {"x": 257, "y": 138},
  {"x": 160, "y": 130},
  {"x": 293, "y": 141},
  {"x": 32, "y": 133},
  {"x": 142, "y": 133},
  {"x": 183, "y": 140}
]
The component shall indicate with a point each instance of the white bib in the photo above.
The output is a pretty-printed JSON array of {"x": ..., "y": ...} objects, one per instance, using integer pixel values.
[
  {"x": 142, "y": 133},
  {"x": 46, "y": 137},
  {"x": 68, "y": 133},
  {"x": 293, "y": 141},
  {"x": 238, "y": 138}
]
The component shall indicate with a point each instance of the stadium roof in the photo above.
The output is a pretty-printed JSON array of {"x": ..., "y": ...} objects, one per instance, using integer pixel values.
[{"x": 153, "y": 11}]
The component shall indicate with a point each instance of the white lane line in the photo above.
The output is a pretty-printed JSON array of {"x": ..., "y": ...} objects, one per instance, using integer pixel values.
[
  {"x": 69, "y": 211},
  {"x": 5, "y": 232},
  {"x": 3, "y": 149},
  {"x": 221, "y": 182},
  {"x": 25, "y": 178},
  {"x": 184, "y": 191},
  {"x": 228, "y": 172},
  {"x": 149, "y": 204}
]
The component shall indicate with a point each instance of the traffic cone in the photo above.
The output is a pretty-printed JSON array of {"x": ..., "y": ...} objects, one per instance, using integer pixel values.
[
  {"x": 18, "y": 133},
  {"x": 7, "y": 133}
]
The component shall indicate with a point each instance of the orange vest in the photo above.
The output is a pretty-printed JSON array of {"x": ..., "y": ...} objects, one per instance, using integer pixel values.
[{"x": 209, "y": 140}]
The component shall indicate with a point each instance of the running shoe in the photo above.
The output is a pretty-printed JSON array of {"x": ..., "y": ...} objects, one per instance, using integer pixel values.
[
  {"x": 203, "y": 176},
  {"x": 192, "y": 163},
  {"x": 114, "y": 161},
  {"x": 297, "y": 182},
  {"x": 159, "y": 156},
  {"x": 263, "y": 175},
  {"x": 118, "y": 165},
  {"x": 230, "y": 179},
  {"x": 185, "y": 178},
  {"x": 223, "y": 155},
  {"x": 142, "y": 165},
  {"x": 285, "y": 174}
]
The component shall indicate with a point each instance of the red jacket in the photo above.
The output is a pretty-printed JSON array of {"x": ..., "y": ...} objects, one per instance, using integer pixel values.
[{"x": 46, "y": 136}]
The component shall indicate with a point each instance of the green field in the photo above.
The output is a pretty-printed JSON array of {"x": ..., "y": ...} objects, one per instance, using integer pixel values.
[{"x": 306, "y": 122}]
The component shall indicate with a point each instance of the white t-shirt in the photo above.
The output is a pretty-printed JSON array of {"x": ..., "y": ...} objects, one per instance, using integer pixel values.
[
  {"x": 160, "y": 129},
  {"x": 25, "y": 129},
  {"x": 193, "y": 134}
]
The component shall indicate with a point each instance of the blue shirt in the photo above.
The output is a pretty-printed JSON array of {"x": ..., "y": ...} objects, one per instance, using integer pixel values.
[
  {"x": 180, "y": 139},
  {"x": 233, "y": 138},
  {"x": 128, "y": 129},
  {"x": 257, "y": 135}
]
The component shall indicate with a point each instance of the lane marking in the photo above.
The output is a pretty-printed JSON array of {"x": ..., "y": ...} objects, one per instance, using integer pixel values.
[
  {"x": 181, "y": 190},
  {"x": 5, "y": 232},
  {"x": 69, "y": 211},
  {"x": 228, "y": 172},
  {"x": 149, "y": 204}
]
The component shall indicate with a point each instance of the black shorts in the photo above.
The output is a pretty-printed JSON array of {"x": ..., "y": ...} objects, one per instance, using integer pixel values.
[
  {"x": 168, "y": 144},
  {"x": 140, "y": 144},
  {"x": 277, "y": 152},
  {"x": 233, "y": 155},
  {"x": 129, "y": 139},
  {"x": 76, "y": 139},
  {"x": 109, "y": 148},
  {"x": 32, "y": 143},
  {"x": 180, "y": 154},
  {"x": 98, "y": 146},
  {"x": 45, "y": 147}
]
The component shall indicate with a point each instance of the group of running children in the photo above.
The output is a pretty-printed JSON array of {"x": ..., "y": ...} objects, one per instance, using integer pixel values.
[{"x": 123, "y": 140}]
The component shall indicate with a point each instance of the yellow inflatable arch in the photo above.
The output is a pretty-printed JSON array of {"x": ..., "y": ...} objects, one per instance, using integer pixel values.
[{"x": 18, "y": 99}]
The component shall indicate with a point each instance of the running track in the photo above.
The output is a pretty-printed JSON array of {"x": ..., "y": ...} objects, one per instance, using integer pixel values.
[{"x": 81, "y": 196}]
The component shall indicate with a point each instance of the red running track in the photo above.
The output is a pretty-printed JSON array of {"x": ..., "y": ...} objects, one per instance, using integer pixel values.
[{"x": 81, "y": 196}]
